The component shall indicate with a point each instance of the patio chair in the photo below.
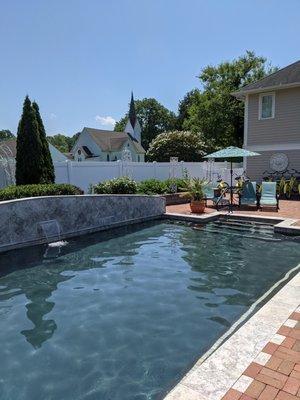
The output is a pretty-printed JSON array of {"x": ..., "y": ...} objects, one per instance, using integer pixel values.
[
  {"x": 209, "y": 193},
  {"x": 269, "y": 197},
  {"x": 248, "y": 196}
]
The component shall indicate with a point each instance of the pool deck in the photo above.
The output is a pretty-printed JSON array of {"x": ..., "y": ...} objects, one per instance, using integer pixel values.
[
  {"x": 259, "y": 359},
  {"x": 288, "y": 209}
]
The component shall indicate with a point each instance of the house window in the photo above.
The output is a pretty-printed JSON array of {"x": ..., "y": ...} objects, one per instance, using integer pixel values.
[
  {"x": 267, "y": 105},
  {"x": 107, "y": 157}
]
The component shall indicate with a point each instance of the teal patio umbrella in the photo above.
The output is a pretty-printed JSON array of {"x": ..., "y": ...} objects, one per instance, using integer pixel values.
[{"x": 232, "y": 152}]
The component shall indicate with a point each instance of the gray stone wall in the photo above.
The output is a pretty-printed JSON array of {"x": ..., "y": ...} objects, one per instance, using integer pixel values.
[{"x": 22, "y": 220}]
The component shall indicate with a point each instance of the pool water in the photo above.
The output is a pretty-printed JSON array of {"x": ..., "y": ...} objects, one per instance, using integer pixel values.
[{"x": 124, "y": 314}]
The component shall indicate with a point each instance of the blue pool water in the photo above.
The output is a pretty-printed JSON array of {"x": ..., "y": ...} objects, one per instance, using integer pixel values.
[{"x": 123, "y": 314}]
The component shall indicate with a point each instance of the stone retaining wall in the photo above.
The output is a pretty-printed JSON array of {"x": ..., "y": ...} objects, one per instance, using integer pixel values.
[{"x": 22, "y": 219}]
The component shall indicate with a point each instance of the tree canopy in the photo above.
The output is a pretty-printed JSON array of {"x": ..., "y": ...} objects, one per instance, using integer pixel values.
[
  {"x": 6, "y": 134},
  {"x": 29, "y": 159},
  {"x": 187, "y": 146},
  {"x": 62, "y": 142},
  {"x": 47, "y": 175},
  {"x": 153, "y": 117},
  {"x": 214, "y": 111}
]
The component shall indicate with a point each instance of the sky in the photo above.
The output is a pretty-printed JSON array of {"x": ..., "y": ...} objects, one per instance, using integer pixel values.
[{"x": 80, "y": 59}]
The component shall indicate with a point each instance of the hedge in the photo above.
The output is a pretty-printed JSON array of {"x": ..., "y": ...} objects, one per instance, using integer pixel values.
[
  {"x": 21, "y": 191},
  {"x": 122, "y": 185},
  {"x": 126, "y": 185}
]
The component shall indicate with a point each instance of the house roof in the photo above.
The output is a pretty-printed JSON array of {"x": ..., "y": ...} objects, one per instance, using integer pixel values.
[
  {"x": 286, "y": 77},
  {"x": 9, "y": 148},
  {"x": 112, "y": 141}
]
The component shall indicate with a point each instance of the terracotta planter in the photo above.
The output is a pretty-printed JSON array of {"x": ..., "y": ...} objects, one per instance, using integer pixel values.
[{"x": 197, "y": 206}]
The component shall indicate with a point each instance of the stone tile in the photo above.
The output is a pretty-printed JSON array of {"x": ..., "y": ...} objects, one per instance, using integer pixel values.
[
  {"x": 262, "y": 358},
  {"x": 290, "y": 323},
  {"x": 278, "y": 339},
  {"x": 242, "y": 383}
]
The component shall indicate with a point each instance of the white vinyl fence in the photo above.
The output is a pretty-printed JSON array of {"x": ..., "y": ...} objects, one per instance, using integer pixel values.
[{"x": 83, "y": 174}]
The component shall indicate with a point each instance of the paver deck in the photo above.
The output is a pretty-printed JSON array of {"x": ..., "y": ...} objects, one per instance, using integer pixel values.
[
  {"x": 288, "y": 209},
  {"x": 275, "y": 373}
]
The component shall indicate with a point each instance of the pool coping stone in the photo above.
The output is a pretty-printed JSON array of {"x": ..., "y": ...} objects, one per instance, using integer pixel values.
[{"x": 212, "y": 378}]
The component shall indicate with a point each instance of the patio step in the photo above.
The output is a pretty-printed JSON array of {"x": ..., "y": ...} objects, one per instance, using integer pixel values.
[{"x": 246, "y": 229}]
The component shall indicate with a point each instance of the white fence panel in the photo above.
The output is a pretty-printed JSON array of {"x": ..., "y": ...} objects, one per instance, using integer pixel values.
[{"x": 83, "y": 174}]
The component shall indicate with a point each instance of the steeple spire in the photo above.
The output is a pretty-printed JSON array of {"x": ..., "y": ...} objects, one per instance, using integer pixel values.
[{"x": 132, "y": 112}]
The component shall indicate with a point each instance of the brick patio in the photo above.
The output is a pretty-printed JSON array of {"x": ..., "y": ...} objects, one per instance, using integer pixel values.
[
  {"x": 275, "y": 373},
  {"x": 288, "y": 209}
]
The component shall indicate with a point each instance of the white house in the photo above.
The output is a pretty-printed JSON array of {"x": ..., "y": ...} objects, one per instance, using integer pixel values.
[{"x": 103, "y": 145}]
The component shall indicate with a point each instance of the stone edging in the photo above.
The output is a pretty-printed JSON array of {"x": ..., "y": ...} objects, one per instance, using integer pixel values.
[{"x": 211, "y": 378}]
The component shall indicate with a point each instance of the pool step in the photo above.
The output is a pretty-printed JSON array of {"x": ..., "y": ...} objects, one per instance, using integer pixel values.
[
  {"x": 231, "y": 225},
  {"x": 241, "y": 233}
]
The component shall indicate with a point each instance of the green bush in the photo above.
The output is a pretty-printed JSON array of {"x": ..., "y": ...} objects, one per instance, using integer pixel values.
[
  {"x": 122, "y": 185},
  {"x": 20, "y": 191},
  {"x": 153, "y": 186},
  {"x": 180, "y": 183}
]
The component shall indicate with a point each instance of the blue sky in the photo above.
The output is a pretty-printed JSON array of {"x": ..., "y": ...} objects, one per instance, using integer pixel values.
[{"x": 80, "y": 59}]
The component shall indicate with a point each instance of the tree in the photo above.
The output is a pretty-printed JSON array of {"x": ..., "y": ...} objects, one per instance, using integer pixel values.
[
  {"x": 48, "y": 175},
  {"x": 184, "y": 106},
  {"x": 63, "y": 143},
  {"x": 187, "y": 146},
  {"x": 153, "y": 117},
  {"x": 214, "y": 111},
  {"x": 6, "y": 134},
  {"x": 29, "y": 159}
]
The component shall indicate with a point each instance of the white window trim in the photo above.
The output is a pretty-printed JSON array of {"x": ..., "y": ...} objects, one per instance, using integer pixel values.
[{"x": 261, "y": 95}]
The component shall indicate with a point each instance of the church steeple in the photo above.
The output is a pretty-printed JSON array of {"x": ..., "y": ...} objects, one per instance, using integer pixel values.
[
  {"x": 133, "y": 126},
  {"x": 132, "y": 112}
]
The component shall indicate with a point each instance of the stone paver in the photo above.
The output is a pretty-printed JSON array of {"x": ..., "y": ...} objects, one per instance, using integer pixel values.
[
  {"x": 276, "y": 377},
  {"x": 288, "y": 209}
]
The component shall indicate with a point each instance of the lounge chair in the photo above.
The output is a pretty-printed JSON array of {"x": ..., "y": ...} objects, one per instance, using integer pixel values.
[
  {"x": 248, "y": 195},
  {"x": 269, "y": 197}
]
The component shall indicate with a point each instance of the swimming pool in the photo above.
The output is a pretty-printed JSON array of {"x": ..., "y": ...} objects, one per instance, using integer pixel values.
[{"x": 123, "y": 314}]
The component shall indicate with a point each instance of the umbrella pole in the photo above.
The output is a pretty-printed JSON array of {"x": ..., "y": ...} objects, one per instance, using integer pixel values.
[{"x": 231, "y": 191}]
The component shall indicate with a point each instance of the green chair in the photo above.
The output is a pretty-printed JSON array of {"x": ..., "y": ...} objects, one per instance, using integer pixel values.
[
  {"x": 209, "y": 193},
  {"x": 248, "y": 195},
  {"x": 269, "y": 196}
]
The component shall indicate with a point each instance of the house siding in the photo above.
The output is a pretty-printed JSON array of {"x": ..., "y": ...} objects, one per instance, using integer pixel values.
[
  {"x": 256, "y": 166},
  {"x": 284, "y": 128}
]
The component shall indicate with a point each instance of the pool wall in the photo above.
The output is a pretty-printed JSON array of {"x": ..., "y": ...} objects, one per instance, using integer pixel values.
[{"x": 25, "y": 222}]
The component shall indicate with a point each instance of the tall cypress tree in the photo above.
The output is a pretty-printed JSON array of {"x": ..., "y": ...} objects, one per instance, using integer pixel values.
[
  {"x": 48, "y": 175},
  {"x": 29, "y": 159}
]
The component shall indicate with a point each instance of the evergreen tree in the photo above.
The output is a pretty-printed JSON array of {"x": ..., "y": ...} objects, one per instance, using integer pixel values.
[
  {"x": 48, "y": 175},
  {"x": 29, "y": 159}
]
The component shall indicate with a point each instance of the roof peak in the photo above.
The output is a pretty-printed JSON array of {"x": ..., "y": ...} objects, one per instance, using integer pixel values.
[{"x": 132, "y": 111}]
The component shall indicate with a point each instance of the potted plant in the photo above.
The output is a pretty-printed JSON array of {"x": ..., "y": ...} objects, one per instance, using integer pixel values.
[{"x": 195, "y": 192}]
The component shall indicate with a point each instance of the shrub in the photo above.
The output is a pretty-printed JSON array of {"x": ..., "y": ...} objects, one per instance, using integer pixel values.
[
  {"x": 180, "y": 183},
  {"x": 153, "y": 186},
  {"x": 122, "y": 185},
  {"x": 21, "y": 191}
]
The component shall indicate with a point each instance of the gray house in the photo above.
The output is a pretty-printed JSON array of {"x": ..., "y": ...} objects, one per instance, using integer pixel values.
[{"x": 272, "y": 121}]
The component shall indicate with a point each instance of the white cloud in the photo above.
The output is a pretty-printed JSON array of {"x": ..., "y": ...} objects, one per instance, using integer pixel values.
[
  {"x": 53, "y": 116},
  {"x": 105, "y": 121}
]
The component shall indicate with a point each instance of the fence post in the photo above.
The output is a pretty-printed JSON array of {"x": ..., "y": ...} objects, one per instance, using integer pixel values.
[
  {"x": 69, "y": 171},
  {"x": 120, "y": 168},
  {"x": 154, "y": 169}
]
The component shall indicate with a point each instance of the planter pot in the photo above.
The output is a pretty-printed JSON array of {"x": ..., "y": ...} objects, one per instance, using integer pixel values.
[{"x": 197, "y": 206}]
